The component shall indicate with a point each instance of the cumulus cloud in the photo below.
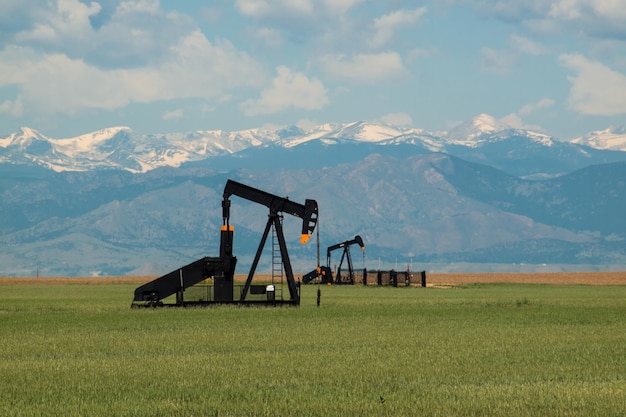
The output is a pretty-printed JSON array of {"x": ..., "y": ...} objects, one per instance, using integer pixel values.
[
  {"x": 496, "y": 61},
  {"x": 315, "y": 23},
  {"x": 514, "y": 120},
  {"x": 269, "y": 36},
  {"x": 307, "y": 124},
  {"x": 330, "y": 25},
  {"x": 173, "y": 115},
  {"x": 386, "y": 26},
  {"x": 289, "y": 89},
  {"x": 339, "y": 7},
  {"x": 598, "y": 18},
  {"x": 502, "y": 61},
  {"x": 397, "y": 119},
  {"x": 195, "y": 68},
  {"x": 260, "y": 9},
  {"x": 365, "y": 68},
  {"x": 106, "y": 33},
  {"x": 12, "y": 108},
  {"x": 254, "y": 8},
  {"x": 70, "y": 18},
  {"x": 595, "y": 88},
  {"x": 531, "y": 108},
  {"x": 523, "y": 45}
]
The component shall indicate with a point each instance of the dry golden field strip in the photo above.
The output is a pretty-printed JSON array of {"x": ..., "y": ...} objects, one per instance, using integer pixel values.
[
  {"x": 435, "y": 279},
  {"x": 579, "y": 278}
]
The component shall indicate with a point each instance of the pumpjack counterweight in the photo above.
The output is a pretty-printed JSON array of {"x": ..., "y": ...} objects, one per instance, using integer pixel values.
[{"x": 222, "y": 269}]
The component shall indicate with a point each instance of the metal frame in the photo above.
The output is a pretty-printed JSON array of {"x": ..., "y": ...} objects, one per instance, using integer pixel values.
[{"x": 222, "y": 269}]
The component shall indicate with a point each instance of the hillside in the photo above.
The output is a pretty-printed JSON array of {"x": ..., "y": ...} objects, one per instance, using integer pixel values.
[
  {"x": 421, "y": 209},
  {"x": 482, "y": 197}
]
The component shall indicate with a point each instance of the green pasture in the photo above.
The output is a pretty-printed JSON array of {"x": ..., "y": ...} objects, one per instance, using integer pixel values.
[{"x": 478, "y": 350}]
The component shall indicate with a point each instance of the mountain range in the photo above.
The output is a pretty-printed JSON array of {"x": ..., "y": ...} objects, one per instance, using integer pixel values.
[{"x": 482, "y": 197}]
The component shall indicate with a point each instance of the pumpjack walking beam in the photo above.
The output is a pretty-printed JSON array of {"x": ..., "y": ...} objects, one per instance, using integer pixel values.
[{"x": 307, "y": 212}]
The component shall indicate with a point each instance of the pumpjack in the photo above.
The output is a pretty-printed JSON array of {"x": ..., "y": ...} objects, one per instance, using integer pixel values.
[
  {"x": 222, "y": 269},
  {"x": 325, "y": 273}
]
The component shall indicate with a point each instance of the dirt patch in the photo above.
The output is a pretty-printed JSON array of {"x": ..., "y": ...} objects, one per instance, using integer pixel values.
[{"x": 562, "y": 278}]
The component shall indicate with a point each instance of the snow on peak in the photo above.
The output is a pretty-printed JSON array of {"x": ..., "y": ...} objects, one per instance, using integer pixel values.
[
  {"x": 121, "y": 148},
  {"x": 25, "y": 134},
  {"x": 481, "y": 124},
  {"x": 613, "y": 138},
  {"x": 367, "y": 132},
  {"x": 31, "y": 133},
  {"x": 88, "y": 142}
]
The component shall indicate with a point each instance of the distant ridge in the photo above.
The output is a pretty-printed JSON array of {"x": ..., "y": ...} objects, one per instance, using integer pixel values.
[{"x": 121, "y": 148}]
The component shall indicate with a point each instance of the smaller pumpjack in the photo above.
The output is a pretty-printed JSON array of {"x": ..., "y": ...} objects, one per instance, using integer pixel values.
[
  {"x": 325, "y": 273},
  {"x": 222, "y": 268}
]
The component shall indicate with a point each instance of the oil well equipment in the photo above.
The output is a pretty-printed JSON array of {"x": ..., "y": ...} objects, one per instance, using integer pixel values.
[
  {"x": 220, "y": 271},
  {"x": 324, "y": 274}
]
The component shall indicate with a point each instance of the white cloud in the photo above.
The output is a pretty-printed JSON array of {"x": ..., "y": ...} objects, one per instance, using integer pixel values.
[
  {"x": 515, "y": 121},
  {"x": 262, "y": 8},
  {"x": 319, "y": 25},
  {"x": 567, "y": 10},
  {"x": 306, "y": 124},
  {"x": 365, "y": 68},
  {"x": 289, "y": 89},
  {"x": 69, "y": 18},
  {"x": 496, "y": 61},
  {"x": 595, "y": 88},
  {"x": 60, "y": 27},
  {"x": 397, "y": 119},
  {"x": 195, "y": 68},
  {"x": 173, "y": 115},
  {"x": 313, "y": 9},
  {"x": 269, "y": 36},
  {"x": 587, "y": 9},
  {"x": 141, "y": 6},
  {"x": 255, "y": 8},
  {"x": 512, "y": 120},
  {"x": 12, "y": 108},
  {"x": 386, "y": 26},
  {"x": 340, "y": 7},
  {"x": 502, "y": 61},
  {"x": 598, "y": 18},
  {"x": 530, "y": 108},
  {"x": 524, "y": 45},
  {"x": 109, "y": 34}
]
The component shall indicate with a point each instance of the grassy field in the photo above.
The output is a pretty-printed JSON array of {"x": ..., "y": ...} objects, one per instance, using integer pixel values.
[{"x": 75, "y": 348}]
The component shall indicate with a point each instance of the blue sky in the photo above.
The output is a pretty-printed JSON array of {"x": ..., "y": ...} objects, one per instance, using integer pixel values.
[{"x": 69, "y": 67}]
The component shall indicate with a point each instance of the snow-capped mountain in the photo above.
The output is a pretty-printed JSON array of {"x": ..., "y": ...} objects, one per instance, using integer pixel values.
[
  {"x": 121, "y": 148},
  {"x": 484, "y": 193},
  {"x": 484, "y": 128},
  {"x": 613, "y": 138},
  {"x": 467, "y": 132}
]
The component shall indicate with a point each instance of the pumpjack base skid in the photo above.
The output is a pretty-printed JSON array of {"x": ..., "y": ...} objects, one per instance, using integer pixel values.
[{"x": 193, "y": 304}]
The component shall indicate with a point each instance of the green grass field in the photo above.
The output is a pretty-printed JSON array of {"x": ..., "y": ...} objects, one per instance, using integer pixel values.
[{"x": 477, "y": 350}]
